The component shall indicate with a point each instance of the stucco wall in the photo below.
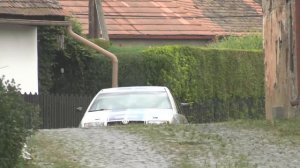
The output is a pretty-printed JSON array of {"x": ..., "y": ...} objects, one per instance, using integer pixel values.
[
  {"x": 280, "y": 62},
  {"x": 18, "y": 55}
]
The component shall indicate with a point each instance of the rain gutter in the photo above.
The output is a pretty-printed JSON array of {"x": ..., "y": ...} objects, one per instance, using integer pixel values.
[
  {"x": 33, "y": 22},
  {"x": 106, "y": 53}
]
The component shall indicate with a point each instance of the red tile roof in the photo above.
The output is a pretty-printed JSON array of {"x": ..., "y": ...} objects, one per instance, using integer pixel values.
[
  {"x": 234, "y": 16},
  {"x": 172, "y": 18},
  {"x": 31, "y": 8}
]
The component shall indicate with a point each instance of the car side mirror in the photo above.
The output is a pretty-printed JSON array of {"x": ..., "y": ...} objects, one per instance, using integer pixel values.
[
  {"x": 187, "y": 105},
  {"x": 79, "y": 109},
  {"x": 184, "y": 104}
]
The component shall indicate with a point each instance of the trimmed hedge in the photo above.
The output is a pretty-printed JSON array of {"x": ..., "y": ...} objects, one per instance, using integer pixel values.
[
  {"x": 193, "y": 74},
  {"x": 199, "y": 74},
  {"x": 227, "y": 83},
  {"x": 16, "y": 117}
]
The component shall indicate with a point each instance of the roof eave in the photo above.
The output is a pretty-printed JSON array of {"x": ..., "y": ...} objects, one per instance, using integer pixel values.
[
  {"x": 34, "y": 22},
  {"x": 162, "y": 37},
  {"x": 32, "y": 11}
]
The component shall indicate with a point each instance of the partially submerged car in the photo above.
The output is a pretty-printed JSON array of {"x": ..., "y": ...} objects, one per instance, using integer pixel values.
[{"x": 127, "y": 105}]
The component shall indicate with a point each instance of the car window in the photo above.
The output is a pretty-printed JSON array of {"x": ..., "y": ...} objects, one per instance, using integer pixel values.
[{"x": 131, "y": 100}]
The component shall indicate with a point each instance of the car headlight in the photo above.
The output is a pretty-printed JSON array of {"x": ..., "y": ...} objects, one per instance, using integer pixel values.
[
  {"x": 93, "y": 124},
  {"x": 157, "y": 122}
]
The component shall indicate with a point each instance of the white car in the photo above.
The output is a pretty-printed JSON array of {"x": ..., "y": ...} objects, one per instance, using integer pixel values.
[{"x": 126, "y": 105}]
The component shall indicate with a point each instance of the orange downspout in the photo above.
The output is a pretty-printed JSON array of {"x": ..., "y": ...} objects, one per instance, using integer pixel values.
[{"x": 106, "y": 53}]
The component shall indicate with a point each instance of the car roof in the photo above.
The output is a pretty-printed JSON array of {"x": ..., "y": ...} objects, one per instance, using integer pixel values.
[{"x": 134, "y": 89}]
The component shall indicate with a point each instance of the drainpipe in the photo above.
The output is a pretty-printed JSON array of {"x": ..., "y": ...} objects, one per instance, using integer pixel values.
[
  {"x": 297, "y": 45},
  {"x": 106, "y": 53}
]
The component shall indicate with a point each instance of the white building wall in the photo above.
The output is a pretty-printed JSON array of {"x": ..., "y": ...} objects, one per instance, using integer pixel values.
[{"x": 18, "y": 55}]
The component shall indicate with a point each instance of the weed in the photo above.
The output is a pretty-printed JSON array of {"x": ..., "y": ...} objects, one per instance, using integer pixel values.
[{"x": 46, "y": 151}]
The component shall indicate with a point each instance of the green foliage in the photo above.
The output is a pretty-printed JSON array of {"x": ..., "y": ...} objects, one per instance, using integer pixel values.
[
  {"x": 76, "y": 26},
  {"x": 126, "y": 50},
  {"x": 199, "y": 75},
  {"x": 69, "y": 68},
  {"x": 170, "y": 66},
  {"x": 102, "y": 43},
  {"x": 216, "y": 78},
  {"x": 132, "y": 69},
  {"x": 246, "y": 42},
  {"x": 48, "y": 49},
  {"x": 14, "y": 117}
]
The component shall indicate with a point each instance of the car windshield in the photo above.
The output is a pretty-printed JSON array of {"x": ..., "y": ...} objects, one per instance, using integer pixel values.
[{"x": 131, "y": 100}]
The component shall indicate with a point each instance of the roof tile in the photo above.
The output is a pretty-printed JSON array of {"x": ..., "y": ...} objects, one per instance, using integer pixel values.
[
  {"x": 31, "y": 7},
  {"x": 172, "y": 17}
]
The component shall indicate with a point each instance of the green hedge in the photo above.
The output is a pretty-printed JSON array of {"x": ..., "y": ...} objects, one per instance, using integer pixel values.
[
  {"x": 14, "y": 127},
  {"x": 227, "y": 83},
  {"x": 193, "y": 74},
  {"x": 198, "y": 74}
]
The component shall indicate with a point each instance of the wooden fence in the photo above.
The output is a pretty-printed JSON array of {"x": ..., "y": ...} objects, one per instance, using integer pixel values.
[
  {"x": 59, "y": 111},
  {"x": 219, "y": 111}
]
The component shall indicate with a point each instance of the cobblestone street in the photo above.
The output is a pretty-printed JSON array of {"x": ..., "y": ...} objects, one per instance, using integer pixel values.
[{"x": 216, "y": 144}]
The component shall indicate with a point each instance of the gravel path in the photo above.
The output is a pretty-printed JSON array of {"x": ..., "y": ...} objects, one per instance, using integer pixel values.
[
  {"x": 262, "y": 149},
  {"x": 112, "y": 148},
  {"x": 106, "y": 147}
]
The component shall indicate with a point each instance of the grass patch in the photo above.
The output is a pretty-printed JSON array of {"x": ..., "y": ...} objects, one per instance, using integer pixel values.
[
  {"x": 26, "y": 164},
  {"x": 187, "y": 146},
  {"x": 185, "y": 162},
  {"x": 47, "y": 152},
  {"x": 241, "y": 162},
  {"x": 281, "y": 128}
]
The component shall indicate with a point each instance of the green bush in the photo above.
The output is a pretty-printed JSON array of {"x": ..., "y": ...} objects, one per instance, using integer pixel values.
[
  {"x": 199, "y": 75},
  {"x": 48, "y": 49},
  {"x": 92, "y": 72},
  {"x": 14, "y": 117},
  {"x": 245, "y": 42},
  {"x": 72, "y": 67},
  {"x": 215, "y": 78},
  {"x": 102, "y": 43}
]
